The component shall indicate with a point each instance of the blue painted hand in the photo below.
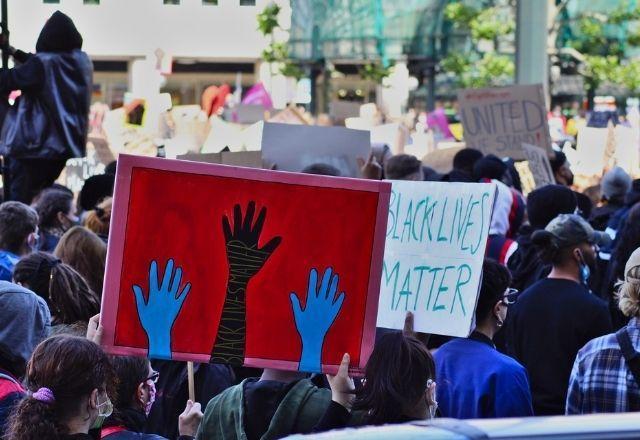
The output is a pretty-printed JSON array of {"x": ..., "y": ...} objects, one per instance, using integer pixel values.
[
  {"x": 320, "y": 310},
  {"x": 159, "y": 312}
]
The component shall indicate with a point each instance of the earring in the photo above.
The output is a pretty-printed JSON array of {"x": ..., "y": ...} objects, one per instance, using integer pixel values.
[{"x": 500, "y": 322}]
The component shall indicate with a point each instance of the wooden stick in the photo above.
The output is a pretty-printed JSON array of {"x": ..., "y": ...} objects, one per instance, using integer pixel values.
[{"x": 191, "y": 381}]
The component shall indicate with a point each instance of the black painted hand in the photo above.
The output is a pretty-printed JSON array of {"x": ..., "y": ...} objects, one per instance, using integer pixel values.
[{"x": 243, "y": 254}]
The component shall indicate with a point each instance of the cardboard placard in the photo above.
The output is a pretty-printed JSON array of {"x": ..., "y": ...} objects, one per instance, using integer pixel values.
[
  {"x": 498, "y": 120},
  {"x": 527, "y": 181},
  {"x": 590, "y": 151},
  {"x": 441, "y": 160},
  {"x": 294, "y": 147},
  {"x": 538, "y": 164},
  {"x": 255, "y": 267},
  {"x": 436, "y": 239}
]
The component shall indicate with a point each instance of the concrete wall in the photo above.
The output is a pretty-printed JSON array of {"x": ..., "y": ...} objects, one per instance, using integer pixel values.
[{"x": 125, "y": 29}]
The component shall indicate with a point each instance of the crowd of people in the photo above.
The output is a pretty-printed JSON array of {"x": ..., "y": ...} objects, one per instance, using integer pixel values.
[
  {"x": 556, "y": 326},
  {"x": 557, "y": 322}
]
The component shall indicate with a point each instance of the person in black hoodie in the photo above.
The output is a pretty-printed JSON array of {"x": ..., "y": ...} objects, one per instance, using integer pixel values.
[
  {"x": 543, "y": 205},
  {"x": 49, "y": 122}
]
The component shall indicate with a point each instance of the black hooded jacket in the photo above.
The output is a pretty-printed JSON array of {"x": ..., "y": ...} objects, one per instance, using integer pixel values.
[{"x": 50, "y": 119}]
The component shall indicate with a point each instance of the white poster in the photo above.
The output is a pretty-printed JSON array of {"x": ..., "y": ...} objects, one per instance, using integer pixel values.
[
  {"x": 436, "y": 239},
  {"x": 295, "y": 147}
]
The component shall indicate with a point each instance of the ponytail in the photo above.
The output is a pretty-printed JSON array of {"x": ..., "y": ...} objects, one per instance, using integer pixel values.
[
  {"x": 546, "y": 245},
  {"x": 34, "y": 419},
  {"x": 62, "y": 373},
  {"x": 70, "y": 295},
  {"x": 67, "y": 294}
]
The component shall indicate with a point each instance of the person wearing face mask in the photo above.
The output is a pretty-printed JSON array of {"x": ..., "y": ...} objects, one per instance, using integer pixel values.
[
  {"x": 558, "y": 315},
  {"x": 136, "y": 393},
  {"x": 18, "y": 235},
  {"x": 56, "y": 212},
  {"x": 496, "y": 385},
  {"x": 68, "y": 382},
  {"x": 398, "y": 386}
]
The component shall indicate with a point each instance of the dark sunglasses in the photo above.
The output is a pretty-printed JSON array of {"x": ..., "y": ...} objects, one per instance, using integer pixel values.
[{"x": 510, "y": 296}]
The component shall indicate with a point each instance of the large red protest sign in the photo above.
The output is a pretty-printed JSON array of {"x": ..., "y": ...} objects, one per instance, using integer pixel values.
[{"x": 242, "y": 266}]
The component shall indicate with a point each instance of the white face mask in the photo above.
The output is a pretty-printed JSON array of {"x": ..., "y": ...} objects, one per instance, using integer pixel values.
[
  {"x": 433, "y": 407},
  {"x": 105, "y": 409}
]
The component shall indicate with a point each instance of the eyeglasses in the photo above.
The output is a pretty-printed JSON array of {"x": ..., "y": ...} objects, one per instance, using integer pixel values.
[
  {"x": 154, "y": 377},
  {"x": 510, "y": 296}
]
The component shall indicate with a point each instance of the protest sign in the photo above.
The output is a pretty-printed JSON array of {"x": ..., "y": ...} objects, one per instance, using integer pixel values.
[
  {"x": 436, "y": 239},
  {"x": 590, "y": 151},
  {"x": 498, "y": 120},
  {"x": 78, "y": 170},
  {"x": 538, "y": 164},
  {"x": 249, "y": 159},
  {"x": 527, "y": 181},
  {"x": 441, "y": 160},
  {"x": 626, "y": 153},
  {"x": 294, "y": 147},
  {"x": 254, "y": 267}
]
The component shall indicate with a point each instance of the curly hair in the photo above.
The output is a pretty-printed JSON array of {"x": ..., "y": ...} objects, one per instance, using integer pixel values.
[{"x": 69, "y": 366}]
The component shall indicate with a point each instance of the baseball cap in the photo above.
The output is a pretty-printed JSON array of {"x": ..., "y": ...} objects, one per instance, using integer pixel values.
[{"x": 570, "y": 229}]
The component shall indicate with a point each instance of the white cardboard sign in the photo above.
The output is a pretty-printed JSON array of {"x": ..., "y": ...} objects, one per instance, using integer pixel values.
[{"x": 436, "y": 239}]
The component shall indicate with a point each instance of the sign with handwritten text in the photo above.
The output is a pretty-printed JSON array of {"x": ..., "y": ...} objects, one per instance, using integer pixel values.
[
  {"x": 436, "y": 238},
  {"x": 539, "y": 165},
  {"x": 498, "y": 120}
]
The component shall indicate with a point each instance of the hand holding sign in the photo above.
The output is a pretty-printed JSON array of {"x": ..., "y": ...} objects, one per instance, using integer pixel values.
[
  {"x": 245, "y": 260},
  {"x": 158, "y": 313},
  {"x": 313, "y": 323}
]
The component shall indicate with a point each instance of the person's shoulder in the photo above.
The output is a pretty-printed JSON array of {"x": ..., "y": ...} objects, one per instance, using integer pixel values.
[
  {"x": 507, "y": 365},
  {"x": 598, "y": 346}
]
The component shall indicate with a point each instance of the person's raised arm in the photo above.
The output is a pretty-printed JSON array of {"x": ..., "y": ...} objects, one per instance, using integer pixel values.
[
  {"x": 27, "y": 76},
  {"x": 342, "y": 397}
]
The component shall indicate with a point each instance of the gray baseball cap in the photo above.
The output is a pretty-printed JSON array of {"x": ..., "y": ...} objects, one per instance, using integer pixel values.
[{"x": 571, "y": 229}]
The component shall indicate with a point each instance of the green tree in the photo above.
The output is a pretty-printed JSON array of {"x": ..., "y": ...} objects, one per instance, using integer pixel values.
[
  {"x": 603, "y": 39},
  {"x": 487, "y": 30},
  {"x": 276, "y": 53}
]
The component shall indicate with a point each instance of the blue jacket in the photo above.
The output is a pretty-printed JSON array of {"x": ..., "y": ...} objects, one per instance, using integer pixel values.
[{"x": 474, "y": 380}]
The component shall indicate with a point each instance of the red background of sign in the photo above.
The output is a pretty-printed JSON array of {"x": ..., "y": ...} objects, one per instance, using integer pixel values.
[{"x": 179, "y": 216}]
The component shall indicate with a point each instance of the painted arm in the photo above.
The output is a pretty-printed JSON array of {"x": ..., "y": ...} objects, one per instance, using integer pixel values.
[
  {"x": 245, "y": 260},
  {"x": 313, "y": 322},
  {"x": 159, "y": 311}
]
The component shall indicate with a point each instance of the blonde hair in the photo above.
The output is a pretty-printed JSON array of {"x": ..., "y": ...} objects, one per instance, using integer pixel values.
[
  {"x": 99, "y": 218},
  {"x": 628, "y": 294}
]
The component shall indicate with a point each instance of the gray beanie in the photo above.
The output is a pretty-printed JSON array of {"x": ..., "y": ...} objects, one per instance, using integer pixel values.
[{"x": 615, "y": 184}]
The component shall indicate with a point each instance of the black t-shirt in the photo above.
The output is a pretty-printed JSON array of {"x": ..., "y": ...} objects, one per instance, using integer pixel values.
[{"x": 550, "y": 322}]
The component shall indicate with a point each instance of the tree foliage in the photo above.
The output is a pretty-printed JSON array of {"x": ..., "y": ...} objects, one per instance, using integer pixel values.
[
  {"x": 480, "y": 67},
  {"x": 276, "y": 53},
  {"x": 601, "y": 38}
]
